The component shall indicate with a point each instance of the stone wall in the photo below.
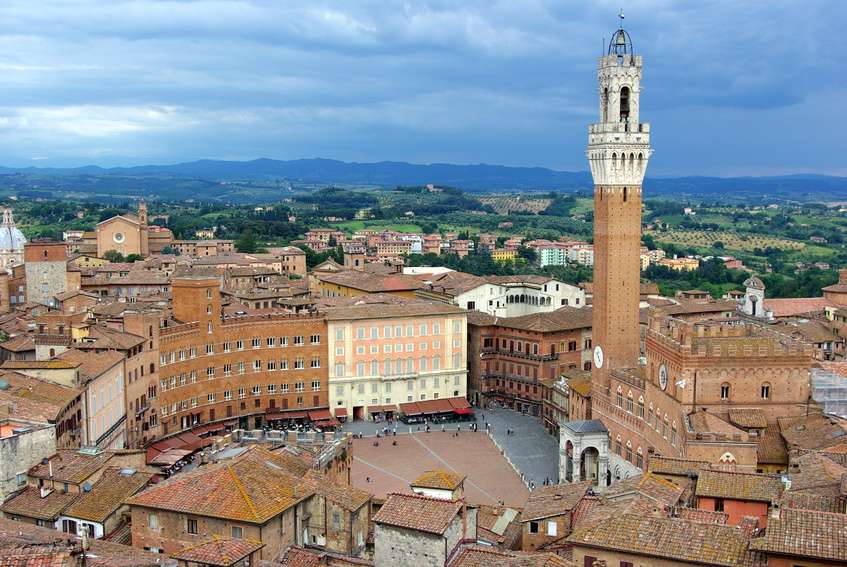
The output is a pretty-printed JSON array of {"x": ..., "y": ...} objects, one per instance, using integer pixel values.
[{"x": 20, "y": 452}]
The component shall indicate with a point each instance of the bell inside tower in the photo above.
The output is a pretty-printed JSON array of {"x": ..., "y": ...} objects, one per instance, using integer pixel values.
[{"x": 625, "y": 104}]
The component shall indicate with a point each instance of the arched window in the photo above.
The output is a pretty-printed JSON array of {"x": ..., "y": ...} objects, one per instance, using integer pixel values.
[
  {"x": 625, "y": 104},
  {"x": 640, "y": 407},
  {"x": 766, "y": 391},
  {"x": 618, "y": 445},
  {"x": 625, "y": 194},
  {"x": 639, "y": 458},
  {"x": 673, "y": 434},
  {"x": 586, "y": 366},
  {"x": 619, "y": 398},
  {"x": 629, "y": 451},
  {"x": 650, "y": 415},
  {"x": 605, "y": 110},
  {"x": 724, "y": 391},
  {"x": 629, "y": 402}
]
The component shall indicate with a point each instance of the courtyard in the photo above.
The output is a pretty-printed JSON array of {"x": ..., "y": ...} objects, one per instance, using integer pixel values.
[{"x": 386, "y": 467}]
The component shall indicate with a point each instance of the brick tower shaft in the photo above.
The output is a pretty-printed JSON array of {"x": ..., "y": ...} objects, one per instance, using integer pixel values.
[{"x": 618, "y": 152}]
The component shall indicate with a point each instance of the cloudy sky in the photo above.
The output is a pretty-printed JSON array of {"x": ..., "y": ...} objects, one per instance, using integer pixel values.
[{"x": 732, "y": 87}]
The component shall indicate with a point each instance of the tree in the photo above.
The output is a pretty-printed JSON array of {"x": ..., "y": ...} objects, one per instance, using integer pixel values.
[
  {"x": 134, "y": 258},
  {"x": 246, "y": 243},
  {"x": 113, "y": 256},
  {"x": 170, "y": 250}
]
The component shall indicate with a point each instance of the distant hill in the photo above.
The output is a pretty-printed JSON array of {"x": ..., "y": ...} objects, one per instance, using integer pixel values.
[{"x": 475, "y": 178}]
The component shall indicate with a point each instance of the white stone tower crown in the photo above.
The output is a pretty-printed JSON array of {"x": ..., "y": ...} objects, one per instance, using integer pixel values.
[{"x": 619, "y": 144}]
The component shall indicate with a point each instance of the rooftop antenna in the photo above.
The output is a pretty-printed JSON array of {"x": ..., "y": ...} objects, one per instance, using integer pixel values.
[{"x": 621, "y": 16}]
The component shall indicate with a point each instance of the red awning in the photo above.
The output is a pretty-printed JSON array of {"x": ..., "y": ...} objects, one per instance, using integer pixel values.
[
  {"x": 286, "y": 415},
  {"x": 463, "y": 411},
  {"x": 382, "y": 408},
  {"x": 458, "y": 403},
  {"x": 340, "y": 412},
  {"x": 410, "y": 409},
  {"x": 331, "y": 422},
  {"x": 208, "y": 427},
  {"x": 435, "y": 406},
  {"x": 317, "y": 415}
]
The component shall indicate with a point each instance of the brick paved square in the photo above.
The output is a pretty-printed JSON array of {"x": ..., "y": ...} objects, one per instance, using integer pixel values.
[{"x": 391, "y": 468}]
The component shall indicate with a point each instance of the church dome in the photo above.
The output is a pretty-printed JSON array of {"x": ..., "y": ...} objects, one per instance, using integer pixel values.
[{"x": 11, "y": 238}]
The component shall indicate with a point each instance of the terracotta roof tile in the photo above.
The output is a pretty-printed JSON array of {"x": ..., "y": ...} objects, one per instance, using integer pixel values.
[
  {"x": 770, "y": 446},
  {"x": 817, "y": 473},
  {"x": 93, "y": 364},
  {"x": 703, "y": 516},
  {"x": 672, "y": 466},
  {"x": 811, "y": 501},
  {"x": 670, "y": 538},
  {"x": 553, "y": 500},
  {"x": 29, "y": 504},
  {"x": 439, "y": 479},
  {"x": 101, "y": 554},
  {"x": 414, "y": 512},
  {"x": 748, "y": 418},
  {"x": 107, "y": 494},
  {"x": 219, "y": 552},
  {"x": 806, "y": 533},
  {"x": 562, "y": 319},
  {"x": 739, "y": 486},
  {"x": 38, "y": 400},
  {"x": 19, "y": 344},
  {"x": 705, "y": 422},
  {"x": 793, "y": 306},
  {"x": 71, "y": 466},
  {"x": 648, "y": 485},
  {"x": 478, "y": 556},
  {"x": 255, "y": 487},
  {"x": 813, "y": 431},
  {"x": 372, "y": 283}
]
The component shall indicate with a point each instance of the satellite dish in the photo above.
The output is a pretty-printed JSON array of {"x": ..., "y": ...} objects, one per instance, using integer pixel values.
[{"x": 86, "y": 487}]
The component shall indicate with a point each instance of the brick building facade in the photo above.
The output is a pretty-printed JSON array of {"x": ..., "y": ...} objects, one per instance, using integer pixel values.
[
  {"x": 518, "y": 353},
  {"x": 215, "y": 368}
]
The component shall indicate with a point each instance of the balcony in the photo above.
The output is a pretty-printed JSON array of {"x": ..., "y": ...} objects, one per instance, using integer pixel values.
[{"x": 522, "y": 355}]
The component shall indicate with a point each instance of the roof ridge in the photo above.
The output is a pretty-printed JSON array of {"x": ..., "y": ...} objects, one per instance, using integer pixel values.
[{"x": 243, "y": 491}]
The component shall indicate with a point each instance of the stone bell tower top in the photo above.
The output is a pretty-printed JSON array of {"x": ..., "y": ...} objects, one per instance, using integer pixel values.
[{"x": 619, "y": 144}]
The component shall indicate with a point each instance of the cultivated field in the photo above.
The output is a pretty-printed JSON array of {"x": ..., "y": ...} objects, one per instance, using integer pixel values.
[
  {"x": 731, "y": 240},
  {"x": 505, "y": 204}
]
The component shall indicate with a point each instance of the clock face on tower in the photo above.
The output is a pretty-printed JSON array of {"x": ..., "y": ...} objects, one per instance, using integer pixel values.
[
  {"x": 598, "y": 357},
  {"x": 663, "y": 377}
]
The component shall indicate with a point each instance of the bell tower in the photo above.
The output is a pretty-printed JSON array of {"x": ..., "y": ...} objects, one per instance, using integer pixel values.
[{"x": 618, "y": 151}]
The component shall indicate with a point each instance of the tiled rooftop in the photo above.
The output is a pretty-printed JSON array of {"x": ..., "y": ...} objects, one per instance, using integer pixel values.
[
  {"x": 71, "y": 466},
  {"x": 30, "y": 504},
  {"x": 414, "y": 512},
  {"x": 739, "y": 486},
  {"x": 107, "y": 494},
  {"x": 670, "y": 538},
  {"x": 806, "y": 533},
  {"x": 553, "y": 500},
  {"x": 439, "y": 479},
  {"x": 219, "y": 552},
  {"x": 254, "y": 487}
]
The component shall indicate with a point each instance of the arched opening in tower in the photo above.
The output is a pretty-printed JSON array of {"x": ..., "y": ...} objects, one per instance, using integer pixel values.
[{"x": 625, "y": 104}]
